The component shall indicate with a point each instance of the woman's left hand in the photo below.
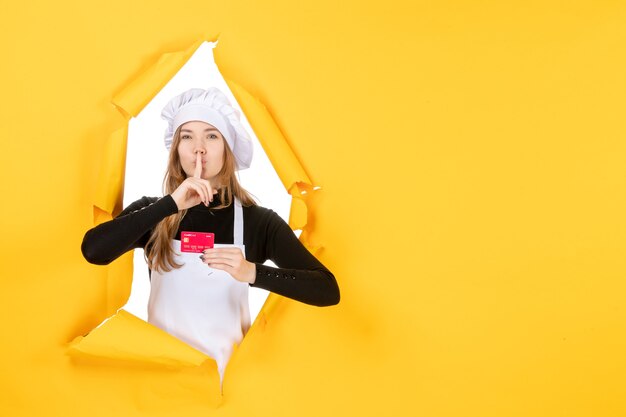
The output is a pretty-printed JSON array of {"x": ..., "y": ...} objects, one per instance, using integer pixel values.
[{"x": 232, "y": 261}]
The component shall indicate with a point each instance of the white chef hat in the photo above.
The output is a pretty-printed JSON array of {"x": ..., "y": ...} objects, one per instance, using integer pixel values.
[{"x": 210, "y": 106}]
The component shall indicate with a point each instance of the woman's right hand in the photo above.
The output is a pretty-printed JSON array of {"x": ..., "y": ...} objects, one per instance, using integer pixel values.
[{"x": 194, "y": 190}]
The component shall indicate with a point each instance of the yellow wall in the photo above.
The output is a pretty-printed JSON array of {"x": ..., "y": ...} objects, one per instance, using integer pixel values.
[{"x": 471, "y": 158}]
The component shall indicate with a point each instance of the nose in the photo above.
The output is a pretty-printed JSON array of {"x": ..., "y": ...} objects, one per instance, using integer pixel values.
[{"x": 198, "y": 147}]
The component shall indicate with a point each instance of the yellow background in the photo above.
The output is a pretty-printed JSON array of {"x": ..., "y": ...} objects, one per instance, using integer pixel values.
[{"x": 471, "y": 158}]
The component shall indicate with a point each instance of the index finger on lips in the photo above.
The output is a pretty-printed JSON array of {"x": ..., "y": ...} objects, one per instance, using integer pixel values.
[{"x": 198, "y": 171}]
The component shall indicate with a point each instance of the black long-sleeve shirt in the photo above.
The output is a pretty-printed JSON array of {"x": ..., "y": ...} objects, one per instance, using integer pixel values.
[{"x": 299, "y": 275}]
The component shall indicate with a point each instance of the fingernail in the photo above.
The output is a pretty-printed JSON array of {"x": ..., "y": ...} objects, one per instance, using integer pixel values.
[{"x": 201, "y": 257}]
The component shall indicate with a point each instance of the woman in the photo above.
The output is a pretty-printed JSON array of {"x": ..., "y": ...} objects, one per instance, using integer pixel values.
[{"x": 203, "y": 299}]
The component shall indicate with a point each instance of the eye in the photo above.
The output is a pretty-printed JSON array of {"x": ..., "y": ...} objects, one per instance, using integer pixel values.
[
  {"x": 185, "y": 137},
  {"x": 213, "y": 136}
]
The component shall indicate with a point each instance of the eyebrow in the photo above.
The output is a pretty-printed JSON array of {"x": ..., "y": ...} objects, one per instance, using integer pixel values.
[{"x": 206, "y": 130}]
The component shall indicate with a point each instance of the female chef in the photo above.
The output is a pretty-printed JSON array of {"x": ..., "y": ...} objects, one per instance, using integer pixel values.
[{"x": 202, "y": 298}]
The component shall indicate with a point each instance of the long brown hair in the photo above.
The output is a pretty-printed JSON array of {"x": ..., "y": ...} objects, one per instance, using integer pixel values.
[{"x": 159, "y": 253}]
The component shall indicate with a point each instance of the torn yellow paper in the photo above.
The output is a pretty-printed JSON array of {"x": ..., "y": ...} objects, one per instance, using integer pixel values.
[
  {"x": 110, "y": 184},
  {"x": 499, "y": 128},
  {"x": 297, "y": 214},
  {"x": 278, "y": 151},
  {"x": 126, "y": 337},
  {"x": 142, "y": 89}
]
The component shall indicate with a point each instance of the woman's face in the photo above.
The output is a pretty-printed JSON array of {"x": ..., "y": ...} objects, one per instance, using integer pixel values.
[{"x": 200, "y": 137}]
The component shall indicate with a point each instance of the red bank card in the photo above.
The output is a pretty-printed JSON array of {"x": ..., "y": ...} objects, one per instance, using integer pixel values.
[{"x": 196, "y": 242}]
